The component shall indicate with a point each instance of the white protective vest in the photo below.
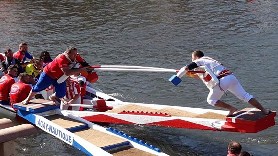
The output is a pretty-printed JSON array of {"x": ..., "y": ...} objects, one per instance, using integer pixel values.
[{"x": 212, "y": 69}]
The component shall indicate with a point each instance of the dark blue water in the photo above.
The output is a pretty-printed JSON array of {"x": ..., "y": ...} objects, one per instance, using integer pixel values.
[{"x": 240, "y": 34}]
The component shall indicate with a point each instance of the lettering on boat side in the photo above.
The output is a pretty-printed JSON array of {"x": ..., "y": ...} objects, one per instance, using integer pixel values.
[{"x": 55, "y": 131}]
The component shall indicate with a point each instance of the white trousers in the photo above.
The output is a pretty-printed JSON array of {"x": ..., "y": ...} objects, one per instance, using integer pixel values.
[{"x": 231, "y": 84}]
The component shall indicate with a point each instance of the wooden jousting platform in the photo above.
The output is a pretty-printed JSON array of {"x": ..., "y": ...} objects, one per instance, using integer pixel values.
[
  {"x": 90, "y": 138},
  {"x": 249, "y": 120}
]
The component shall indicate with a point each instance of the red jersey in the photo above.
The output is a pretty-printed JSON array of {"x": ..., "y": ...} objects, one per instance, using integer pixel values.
[
  {"x": 19, "y": 92},
  {"x": 53, "y": 69},
  {"x": 79, "y": 58},
  {"x": 73, "y": 88},
  {"x": 19, "y": 55},
  {"x": 5, "y": 86}
]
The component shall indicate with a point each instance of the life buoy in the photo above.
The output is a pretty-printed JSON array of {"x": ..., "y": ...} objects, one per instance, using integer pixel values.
[
  {"x": 84, "y": 73},
  {"x": 90, "y": 76}
]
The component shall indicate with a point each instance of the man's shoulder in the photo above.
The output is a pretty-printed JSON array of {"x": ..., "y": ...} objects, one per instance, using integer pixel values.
[
  {"x": 21, "y": 84},
  {"x": 205, "y": 59},
  {"x": 62, "y": 59},
  {"x": 8, "y": 77},
  {"x": 16, "y": 53}
]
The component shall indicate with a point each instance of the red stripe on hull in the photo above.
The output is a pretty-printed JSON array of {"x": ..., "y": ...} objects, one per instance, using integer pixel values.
[
  {"x": 105, "y": 119},
  {"x": 247, "y": 123},
  {"x": 177, "y": 123}
]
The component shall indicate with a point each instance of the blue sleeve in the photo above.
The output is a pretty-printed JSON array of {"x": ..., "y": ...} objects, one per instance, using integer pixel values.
[{"x": 28, "y": 55}]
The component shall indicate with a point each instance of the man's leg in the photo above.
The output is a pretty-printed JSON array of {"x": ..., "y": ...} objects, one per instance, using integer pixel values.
[
  {"x": 224, "y": 105},
  {"x": 53, "y": 98},
  {"x": 60, "y": 91},
  {"x": 215, "y": 95},
  {"x": 240, "y": 93},
  {"x": 256, "y": 104}
]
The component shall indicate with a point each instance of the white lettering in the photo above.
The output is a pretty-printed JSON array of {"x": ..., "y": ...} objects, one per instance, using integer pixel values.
[{"x": 58, "y": 132}]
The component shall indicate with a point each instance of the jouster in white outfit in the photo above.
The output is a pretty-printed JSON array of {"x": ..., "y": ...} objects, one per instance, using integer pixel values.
[{"x": 218, "y": 79}]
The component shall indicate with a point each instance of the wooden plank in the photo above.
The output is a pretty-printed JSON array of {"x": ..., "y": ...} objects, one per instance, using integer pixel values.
[
  {"x": 99, "y": 138},
  {"x": 211, "y": 115},
  {"x": 132, "y": 107},
  {"x": 64, "y": 121},
  {"x": 37, "y": 106},
  {"x": 177, "y": 112},
  {"x": 132, "y": 152},
  {"x": 168, "y": 110}
]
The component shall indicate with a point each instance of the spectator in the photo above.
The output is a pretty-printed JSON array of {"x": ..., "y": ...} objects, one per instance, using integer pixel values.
[
  {"x": 20, "y": 90},
  {"x": 9, "y": 60},
  {"x": 5, "y": 84},
  {"x": 234, "y": 148},
  {"x": 45, "y": 56},
  {"x": 34, "y": 69},
  {"x": 22, "y": 53},
  {"x": 20, "y": 57}
]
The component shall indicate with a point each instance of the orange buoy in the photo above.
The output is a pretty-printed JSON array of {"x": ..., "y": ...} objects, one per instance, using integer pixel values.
[{"x": 92, "y": 77}]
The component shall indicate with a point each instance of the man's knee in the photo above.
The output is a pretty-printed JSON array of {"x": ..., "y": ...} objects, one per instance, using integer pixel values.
[{"x": 245, "y": 97}]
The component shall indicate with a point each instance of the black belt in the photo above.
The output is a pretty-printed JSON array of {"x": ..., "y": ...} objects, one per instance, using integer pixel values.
[{"x": 224, "y": 73}]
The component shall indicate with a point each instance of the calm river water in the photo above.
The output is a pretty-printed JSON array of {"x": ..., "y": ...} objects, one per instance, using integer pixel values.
[{"x": 241, "y": 34}]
